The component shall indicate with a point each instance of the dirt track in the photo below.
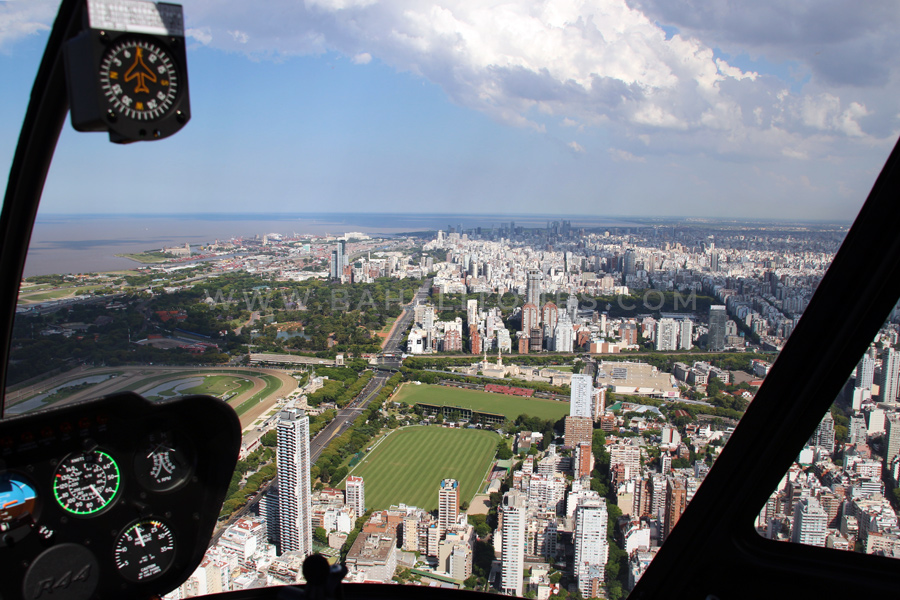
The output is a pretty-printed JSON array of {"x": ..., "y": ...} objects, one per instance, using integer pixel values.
[{"x": 133, "y": 376}]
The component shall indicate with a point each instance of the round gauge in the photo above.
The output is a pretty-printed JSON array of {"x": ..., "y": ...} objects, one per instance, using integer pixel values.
[
  {"x": 161, "y": 463},
  {"x": 145, "y": 550},
  {"x": 139, "y": 79},
  {"x": 86, "y": 483},
  {"x": 18, "y": 503}
]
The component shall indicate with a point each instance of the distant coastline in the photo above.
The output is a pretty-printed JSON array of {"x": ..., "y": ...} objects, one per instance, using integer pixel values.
[{"x": 71, "y": 243}]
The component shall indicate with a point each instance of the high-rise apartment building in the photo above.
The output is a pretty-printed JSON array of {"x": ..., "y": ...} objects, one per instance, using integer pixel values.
[
  {"x": 580, "y": 396},
  {"x": 533, "y": 287},
  {"x": 676, "y": 502},
  {"x": 891, "y": 437},
  {"x": 890, "y": 371},
  {"x": 294, "y": 489},
  {"x": 512, "y": 557},
  {"x": 591, "y": 544},
  {"x": 823, "y": 436},
  {"x": 530, "y": 317},
  {"x": 578, "y": 430},
  {"x": 448, "y": 504},
  {"x": 667, "y": 334},
  {"x": 810, "y": 523},
  {"x": 549, "y": 316},
  {"x": 686, "y": 335},
  {"x": 718, "y": 316},
  {"x": 356, "y": 494},
  {"x": 865, "y": 372}
]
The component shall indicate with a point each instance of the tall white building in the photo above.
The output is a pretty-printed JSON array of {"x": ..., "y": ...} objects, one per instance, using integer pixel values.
[
  {"x": 564, "y": 334},
  {"x": 591, "y": 544},
  {"x": 580, "y": 396},
  {"x": 512, "y": 557},
  {"x": 686, "y": 335},
  {"x": 294, "y": 491},
  {"x": 865, "y": 372},
  {"x": 448, "y": 504},
  {"x": 667, "y": 334},
  {"x": 810, "y": 523},
  {"x": 356, "y": 494},
  {"x": 890, "y": 370}
]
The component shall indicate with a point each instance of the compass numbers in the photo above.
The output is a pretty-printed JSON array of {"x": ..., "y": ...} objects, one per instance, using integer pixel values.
[
  {"x": 139, "y": 79},
  {"x": 86, "y": 483},
  {"x": 145, "y": 550}
]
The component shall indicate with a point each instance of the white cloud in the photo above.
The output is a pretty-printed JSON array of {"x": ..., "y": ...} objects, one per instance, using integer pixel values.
[
  {"x": 620, "y": 155},
  {"x": 22, "y": 19},
  {"x": 587, "y": 63},
  {"x": 239, "y": 36},
  {"x": 201, "y": 35},
  {"x": 576, "y": 147}
]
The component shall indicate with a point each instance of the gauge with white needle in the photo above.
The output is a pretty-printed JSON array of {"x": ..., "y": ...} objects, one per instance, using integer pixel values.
[
  {"x": 144, "y": 550},
  {"x": 162, "y": 462},
  {"x": 86, "y": 483}
]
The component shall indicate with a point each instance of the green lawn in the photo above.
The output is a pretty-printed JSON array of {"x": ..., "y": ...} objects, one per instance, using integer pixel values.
[
  {"x": 509, "y": 406},
  {"x": 219, "y": 385},
  {"x": 410, "y": 463}
]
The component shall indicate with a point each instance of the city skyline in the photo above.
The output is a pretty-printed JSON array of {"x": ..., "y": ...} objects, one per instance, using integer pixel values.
[{"x": 599, "y": 108}]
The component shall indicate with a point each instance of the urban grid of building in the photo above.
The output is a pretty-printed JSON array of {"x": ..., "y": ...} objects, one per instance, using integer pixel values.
[{"x": 552, "y": 513}]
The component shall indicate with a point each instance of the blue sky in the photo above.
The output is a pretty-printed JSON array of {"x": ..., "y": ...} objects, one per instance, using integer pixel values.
[{"x": 604, "y": 108}]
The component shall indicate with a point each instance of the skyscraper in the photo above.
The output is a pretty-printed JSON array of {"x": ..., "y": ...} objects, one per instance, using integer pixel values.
[
  {"x": 512, "y": 556},
  {"x": 890, "y": 370},
  {"x": 667, "y": 334},
  {"x": 865, "y": 372},
  {"x": 448, "y": 504},
  {"x": 582, "y": 390},
  {"x": 823, "y": 436},
  {"x": 686, "y": 335},
  {"x": 891, "y": 437},
  {"x": 294, "y": 493},
  {"x": 591, "y": 544},
  {"x": 530, "y": 317},
  {"x": 533, "y": 287},
  {"x": 549, "y": 315},
  {"x": 356, "y": 494},
  {"x": 717, "y": 318}
]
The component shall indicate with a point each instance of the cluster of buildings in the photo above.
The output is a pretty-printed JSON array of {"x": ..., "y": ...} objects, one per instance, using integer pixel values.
[
  {"x": 762, "y": 278},
  {"x": 837, "y": 495}
]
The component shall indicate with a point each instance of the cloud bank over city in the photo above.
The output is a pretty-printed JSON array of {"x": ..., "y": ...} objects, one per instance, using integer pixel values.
[{"x": 656, "y": 85}]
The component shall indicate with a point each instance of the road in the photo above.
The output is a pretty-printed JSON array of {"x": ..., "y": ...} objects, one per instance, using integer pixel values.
[{"x": 347, "y": 415}]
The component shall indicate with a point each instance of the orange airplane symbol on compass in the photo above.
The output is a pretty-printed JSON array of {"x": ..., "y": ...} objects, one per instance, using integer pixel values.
[{"x": 140, "y": 71}]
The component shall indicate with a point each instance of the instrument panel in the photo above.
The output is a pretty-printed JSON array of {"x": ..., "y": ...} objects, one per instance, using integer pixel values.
[{"x": 113, "y": 497}]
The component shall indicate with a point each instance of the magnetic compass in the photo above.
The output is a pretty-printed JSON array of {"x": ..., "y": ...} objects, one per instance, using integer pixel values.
[
  {"x": 127, "y": 73},
  {"x": 139, "y": 79}
]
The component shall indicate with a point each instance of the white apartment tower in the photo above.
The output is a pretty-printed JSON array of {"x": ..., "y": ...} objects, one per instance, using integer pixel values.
[
  {"x": 448, "y": 504},
  {"x": 512, "y": 557},
  {"x": 810, "y": 523},
  {"x": 591, "y": 545},
  {"x": 356, "y": 495},
  {"x": 667, "y": 334},
  {"x": 294, "y": 491},
  {"x": 581, "y": 394}
]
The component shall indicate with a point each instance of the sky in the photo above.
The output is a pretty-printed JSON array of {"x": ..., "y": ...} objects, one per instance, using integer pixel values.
[{"x": 684, "y": 108}]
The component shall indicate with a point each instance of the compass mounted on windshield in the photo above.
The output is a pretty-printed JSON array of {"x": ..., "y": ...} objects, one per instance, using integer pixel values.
[{"x": 127, "y": 73}]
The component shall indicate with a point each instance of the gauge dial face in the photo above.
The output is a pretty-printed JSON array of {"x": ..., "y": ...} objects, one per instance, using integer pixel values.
[
  {"x": 86, "y": 483},
  {"x": 161, "y": 463},
  {"x": 139, "y": 79},
  {"x": 145, "y": 550}
]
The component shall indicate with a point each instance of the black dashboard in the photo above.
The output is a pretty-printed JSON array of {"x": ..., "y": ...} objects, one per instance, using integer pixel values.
[{"x": 115, "y": 497}]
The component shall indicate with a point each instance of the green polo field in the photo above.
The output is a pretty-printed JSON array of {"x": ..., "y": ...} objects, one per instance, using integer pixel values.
[
  {"x": 409, "y": 464},
  {"x": 508, "y": 406}
]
